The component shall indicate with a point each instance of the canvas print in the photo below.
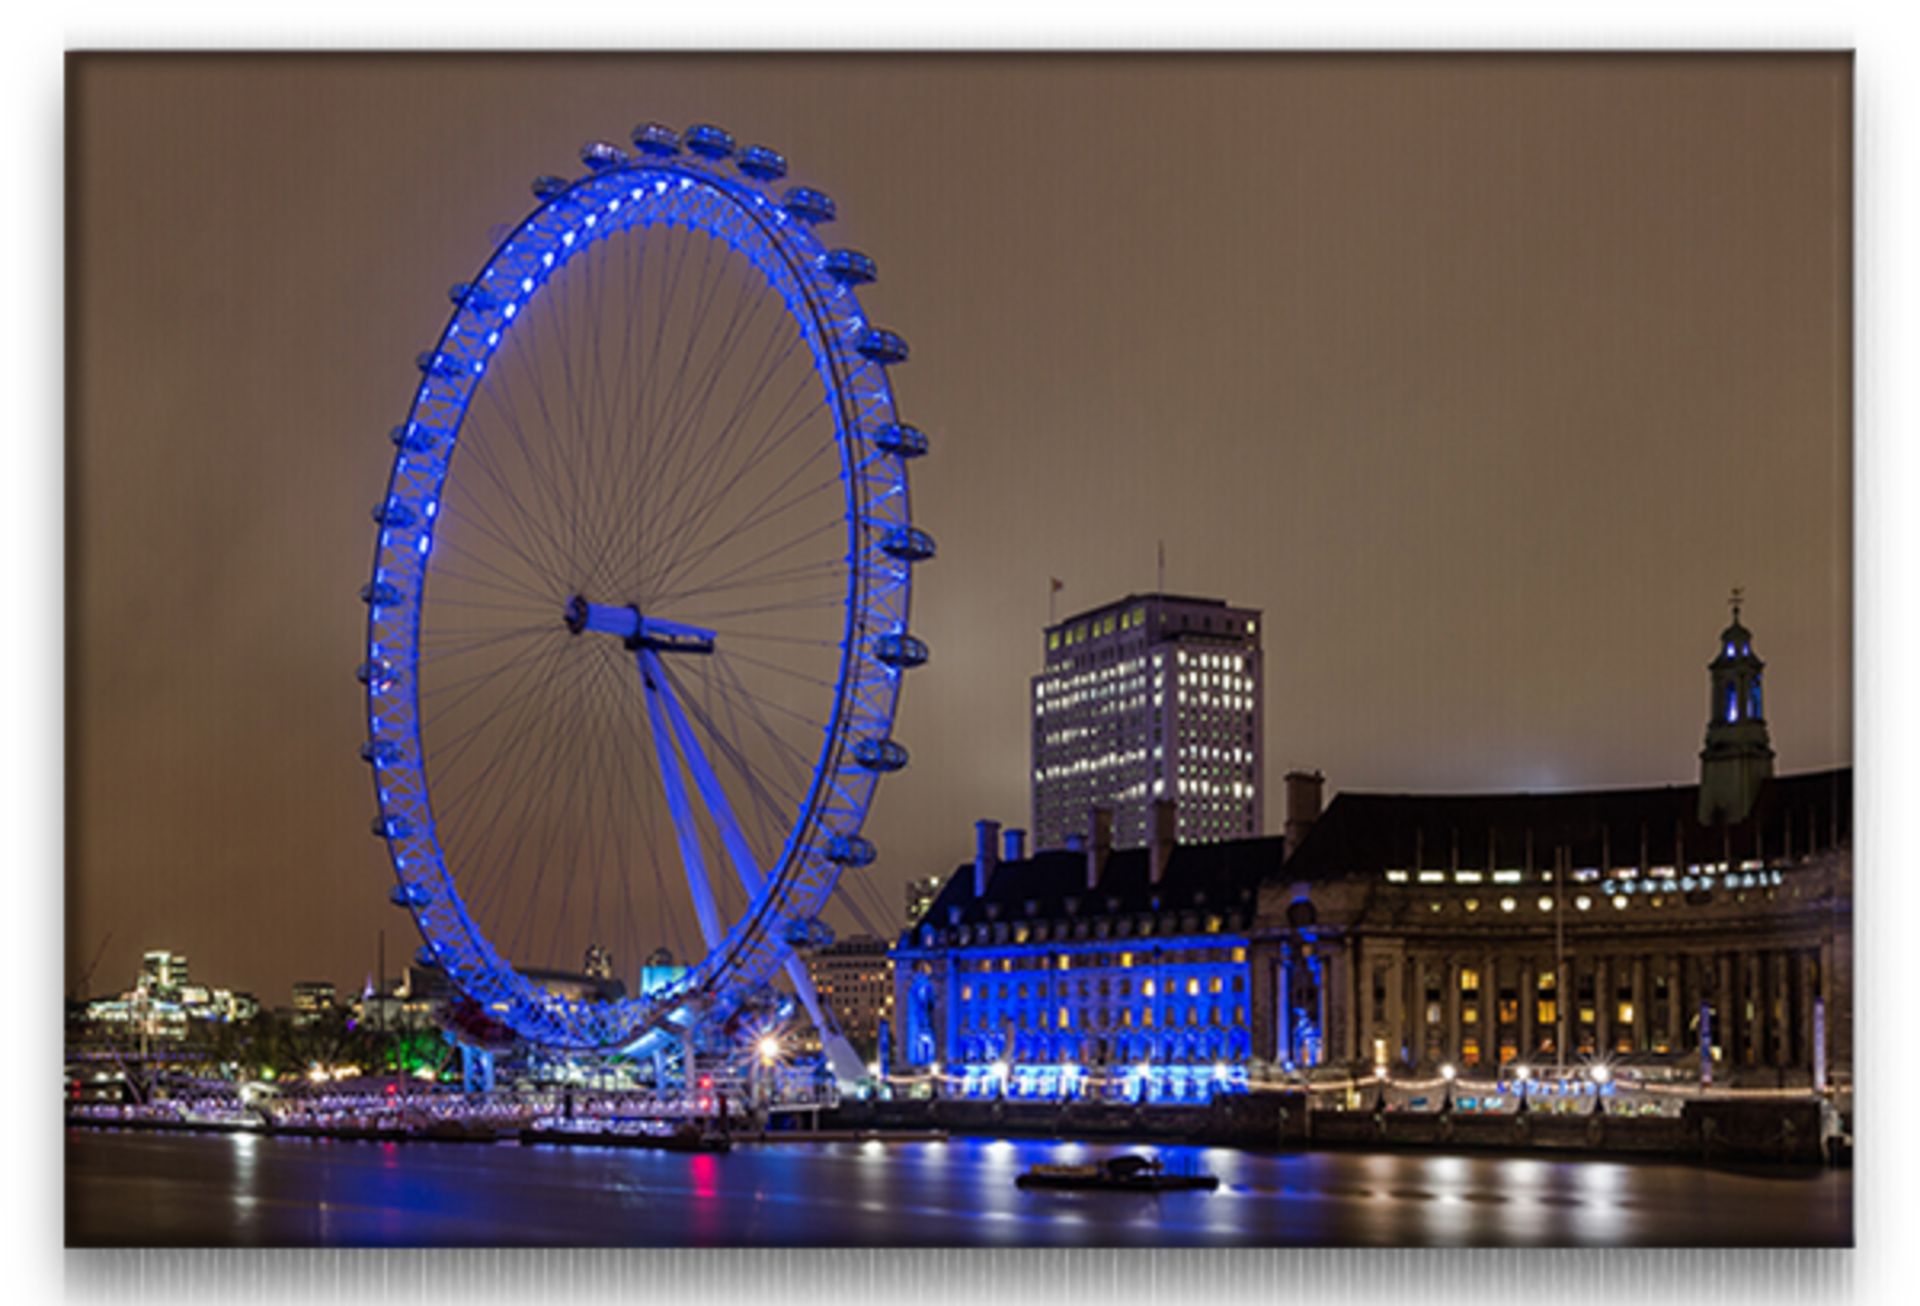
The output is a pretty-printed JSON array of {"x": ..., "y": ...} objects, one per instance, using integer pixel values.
[{"x": 904, "y": 650}]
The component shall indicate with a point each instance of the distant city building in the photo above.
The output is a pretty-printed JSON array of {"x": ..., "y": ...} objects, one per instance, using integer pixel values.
[
  {"x": 312, "y": 999},
  {"x": 854, "y": 979},
  {"x": 1156, "y": 696},
  {"x": 920, "y": 896},
  {"x": 162, "y": 971},
  {"x": 162, "y": 1002}
]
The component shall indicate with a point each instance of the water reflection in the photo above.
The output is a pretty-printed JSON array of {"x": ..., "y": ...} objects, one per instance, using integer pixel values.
[{"x": 131, "y": 1188}]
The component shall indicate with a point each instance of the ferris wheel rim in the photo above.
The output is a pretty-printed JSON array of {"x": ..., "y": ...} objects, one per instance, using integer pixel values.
[{"x": 878, "y": 588}]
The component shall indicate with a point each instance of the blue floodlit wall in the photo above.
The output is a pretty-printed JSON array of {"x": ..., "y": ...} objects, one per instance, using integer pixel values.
[{"x": 1162, "y": 1019}]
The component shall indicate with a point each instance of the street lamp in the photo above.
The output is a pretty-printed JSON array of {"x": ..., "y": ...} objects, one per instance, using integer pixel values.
[
  {"x": 1600, "y": 1074},
  {"x": 1380, "y": 1078},
  {"x": 1447, "y": 1073},
  {"x": 1523, "y": 1074},
  {"x": 769, "y": 1050}
]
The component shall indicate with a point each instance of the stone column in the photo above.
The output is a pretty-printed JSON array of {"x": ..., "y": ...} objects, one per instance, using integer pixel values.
[
  {"x": 1676, "y": 1025},
  {"x": 1528, "y": 988},
  {"x": 1603, "y": 983},
  {"x": 1396, "y": 1002},
  {"x": 1638, "y": 992},
  {"x": 1487, "y": 1028},
  {"x": 1725, "y": 1022},
  {"x": 1450, "y": 976},
  {"x": 1805, "y": 990},
  {"x": 1366, "y": 1016},
  {"x": 1566, "y": 1015},
  {"x": 1779, "y": 1009}
]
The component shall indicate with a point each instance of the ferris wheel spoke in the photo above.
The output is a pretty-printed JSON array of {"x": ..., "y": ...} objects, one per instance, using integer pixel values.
[
  {"x": 533, "y": 588},
  {"x": 762, "y": 518},
  {"x": 681, "y": 425},
  {"x": 701, "y": 500},
  {"x": 532, "y": 543},
  {"x": 769, "y": 555},
  {"x": 688, "y": 527}
]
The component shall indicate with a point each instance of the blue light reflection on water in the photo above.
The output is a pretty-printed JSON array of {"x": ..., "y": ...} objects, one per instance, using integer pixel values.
[{"x": 140, "y": 1188}]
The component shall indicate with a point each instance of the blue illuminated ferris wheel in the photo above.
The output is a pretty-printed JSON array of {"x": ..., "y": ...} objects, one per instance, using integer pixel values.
[{"x": 639, "y": 607}]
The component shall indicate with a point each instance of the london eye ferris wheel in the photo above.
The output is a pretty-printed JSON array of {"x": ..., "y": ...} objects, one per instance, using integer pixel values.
[{"x": 639, "y": 610}]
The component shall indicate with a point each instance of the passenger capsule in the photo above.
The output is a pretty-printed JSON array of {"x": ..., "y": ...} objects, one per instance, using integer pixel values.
[
  {"x": 477, "y": 298},
  {"x": 851, "y": 850},
  {"x": 602, "y": 155},
  {"x": 849, "y": 267},
  {"x": 908, "y": 544},
  {"x": 809, "y": 205},
  {"x": 808, "y": 934},
  {"x": 901, "y": 650},
  {"x": 426, "y": 958},
  {"x": 376, "y": 674},
  {"x": 380, "y": 752},
  {"x": 414, "y": 439},
  {"x": 761, "y": 163},
  {"x": 434, "y": 363},
  {"x": 410, "y": 895},
  {"x": 394, "y": 513},
  {"x": 392, "y": 827},
  {"x": 883, "y": 347},
  {"x": 709, "y": 141},
  {"x": 548, "y": 188},
  {"x": 380, "y": 594},
  {"x": 657, "y": 139},
  {"x": 880, "y": 754},
  {"x": 900, "y": 439}
]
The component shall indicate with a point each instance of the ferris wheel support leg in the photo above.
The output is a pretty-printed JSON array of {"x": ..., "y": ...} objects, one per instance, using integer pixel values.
[
  {"x": 684, "y": 830},
  {"x": 841, "y": 1057}
]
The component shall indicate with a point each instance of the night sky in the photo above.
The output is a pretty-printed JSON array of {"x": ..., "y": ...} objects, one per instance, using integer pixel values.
[{"x": 1485, "y": 377}]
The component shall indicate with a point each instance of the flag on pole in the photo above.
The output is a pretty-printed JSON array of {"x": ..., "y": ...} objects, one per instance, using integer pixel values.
[
  {"x": 1058, "y": 584},
  {"x": 1054, "y": 587}
]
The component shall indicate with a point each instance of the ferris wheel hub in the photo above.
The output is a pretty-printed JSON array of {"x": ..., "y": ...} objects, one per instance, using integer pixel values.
[{"x": 638, "y": 632}]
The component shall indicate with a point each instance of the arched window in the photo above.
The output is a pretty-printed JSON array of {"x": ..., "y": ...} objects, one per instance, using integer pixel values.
[
  {"x": 1733, "y": 702},
  {"x": 1753, "y": 700}
]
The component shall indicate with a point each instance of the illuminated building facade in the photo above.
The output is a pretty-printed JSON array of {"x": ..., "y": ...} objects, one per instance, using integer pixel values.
[
  {"x": 1413, "y": 931},
  {"x": 1108, "y": 974},
  {"x": 312, "y": 999},
  {"x": 1156, "y": 696},
  {"x": 854, "y": 979},
  {"x": 163, "y": 972}
]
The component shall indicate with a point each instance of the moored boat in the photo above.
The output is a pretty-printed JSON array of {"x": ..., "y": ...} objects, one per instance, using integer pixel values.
[{"x": 1131, "y": 1174}]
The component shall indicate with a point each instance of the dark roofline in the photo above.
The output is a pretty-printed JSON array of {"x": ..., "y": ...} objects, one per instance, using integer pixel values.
[{"x": 1364, "y": 833}]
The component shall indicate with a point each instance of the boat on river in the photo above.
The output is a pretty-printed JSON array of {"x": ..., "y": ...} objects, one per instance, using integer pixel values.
[{"x": 1127, "y": 1174}]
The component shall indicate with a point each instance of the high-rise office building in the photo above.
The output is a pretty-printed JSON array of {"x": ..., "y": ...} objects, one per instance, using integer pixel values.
[
  {"x": 1152, "y": 696},
  {"x": 163, "y": 971},
  {"x": 854, "y": 979}
]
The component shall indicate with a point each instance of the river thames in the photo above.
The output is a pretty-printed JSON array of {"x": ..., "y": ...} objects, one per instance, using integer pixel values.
[{"x": 135, "y": 1189}]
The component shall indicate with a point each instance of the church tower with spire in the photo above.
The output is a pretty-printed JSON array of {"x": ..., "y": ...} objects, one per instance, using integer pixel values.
[{"x": 1738, "y": 758}]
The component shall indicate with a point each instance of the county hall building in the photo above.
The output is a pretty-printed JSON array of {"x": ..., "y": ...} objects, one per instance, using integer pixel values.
[{"x": 1406, "y": 932}]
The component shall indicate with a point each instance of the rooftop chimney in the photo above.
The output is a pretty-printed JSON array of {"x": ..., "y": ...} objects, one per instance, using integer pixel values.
[
  {"x": 1166, "y": 826},
  {"x": 1016, "y": 841},
  {"x": 986, "y": 854},
  {"x": 1099, "y": 844},
  {"x": 1303, "y": 806}
]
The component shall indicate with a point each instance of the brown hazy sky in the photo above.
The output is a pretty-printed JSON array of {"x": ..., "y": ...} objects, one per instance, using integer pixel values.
[{"x": 1486, "y": 377}]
